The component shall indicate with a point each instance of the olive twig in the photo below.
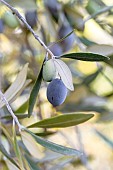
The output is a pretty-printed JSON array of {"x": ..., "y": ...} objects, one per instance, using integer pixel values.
[
  {"x": 11, "y": 111},
  {"x": 28, "y": 27}
]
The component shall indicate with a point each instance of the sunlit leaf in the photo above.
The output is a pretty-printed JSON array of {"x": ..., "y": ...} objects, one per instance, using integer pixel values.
[
  {"x": 34, "y": 93},
  {"x": 16, "y": 86},
  {"x": 7, "y": 155},
  {"x": 31, "y": 145},
  {"x": 62, "y": 121},
  {"x": 53, "y": 146},
  {"x": 65, "y": 73},
  {"x": 27, "y": 82},
  {"x": 86, "y": 56}
]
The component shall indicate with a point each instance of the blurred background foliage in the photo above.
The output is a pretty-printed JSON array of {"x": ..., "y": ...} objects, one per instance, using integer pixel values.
[{"x": 90, "y": 23}]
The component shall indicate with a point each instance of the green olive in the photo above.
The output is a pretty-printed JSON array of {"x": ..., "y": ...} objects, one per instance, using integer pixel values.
[
  {"x": 49, "y": 70},
  {"x": 10, "y": 20}
]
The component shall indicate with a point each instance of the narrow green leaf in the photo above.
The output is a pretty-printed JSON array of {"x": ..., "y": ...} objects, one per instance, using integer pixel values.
[
  {"x": 31, "y": 163},
  {"x": 8, "y": 156},
  {"x": 86, "y": 56},
  {"x": 62, "y": 121},
  {"x": 34, "y": 93},
  {"x": 55, "y": 147},
  {"x": 20, "y": 116},
  {"x": 45, "y": 133}
]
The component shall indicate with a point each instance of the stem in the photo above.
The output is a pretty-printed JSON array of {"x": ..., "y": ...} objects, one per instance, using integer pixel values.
[
  {"x": 28, "y": 27},
  {"x": 108, "y": 8},
  {"x": 10, "y": 110}
]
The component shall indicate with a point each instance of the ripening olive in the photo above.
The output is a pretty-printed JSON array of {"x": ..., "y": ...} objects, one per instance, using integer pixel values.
[
  {"x": 10, "y": 20},
  {"x": 49, "y": 70},
  {"x": 31, "y": 18},
  {"x": 56, "y": 92}
]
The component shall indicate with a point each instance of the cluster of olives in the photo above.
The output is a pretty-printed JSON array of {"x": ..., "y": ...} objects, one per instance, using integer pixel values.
[{"x": 56, "y": 90}]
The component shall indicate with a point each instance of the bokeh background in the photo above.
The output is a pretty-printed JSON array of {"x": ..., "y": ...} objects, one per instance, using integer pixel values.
[{"x": 90, "y": 23}]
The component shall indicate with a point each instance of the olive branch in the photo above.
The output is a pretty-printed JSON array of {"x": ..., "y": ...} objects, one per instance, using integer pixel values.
[{"x": 20, "y": 17}]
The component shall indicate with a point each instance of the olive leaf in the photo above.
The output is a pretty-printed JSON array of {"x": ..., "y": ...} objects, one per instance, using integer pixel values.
[
  {"x": 16, "y": 86},
  {"x": 86, "y": 56},
  {"x": 63, "y": 120},
  {"x": 19, "y": 116},
  {"x": 53, "y": 146},
  {"x": 31, "y": 145},
  {"x": 32, "y": 164},
  {"x": 65, "y": 73},
  {"x": 34, "y": 92}
]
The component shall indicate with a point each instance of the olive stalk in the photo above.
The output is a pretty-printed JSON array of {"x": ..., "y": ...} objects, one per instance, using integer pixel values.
[{"x": 11, "y": 111}]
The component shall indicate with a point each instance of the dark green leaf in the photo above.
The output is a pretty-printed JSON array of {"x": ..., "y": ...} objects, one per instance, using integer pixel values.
[
  {"x": 86, "y": 56},
  {"x": 55, "y": 147},
  {"x": 45, "y": 133},
  {"x": 20, "y": 116},
  {"x": 22, "y": 109},
  {"x": 62, "y": 121},
  {"x": 5, "y": 153},
  {"x": 34, "y": 93}
]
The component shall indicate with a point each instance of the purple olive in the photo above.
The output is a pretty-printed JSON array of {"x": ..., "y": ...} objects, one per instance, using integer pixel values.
[
  {"x": 56, "y": 92},
  {"x": 31, "y": 18}
]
